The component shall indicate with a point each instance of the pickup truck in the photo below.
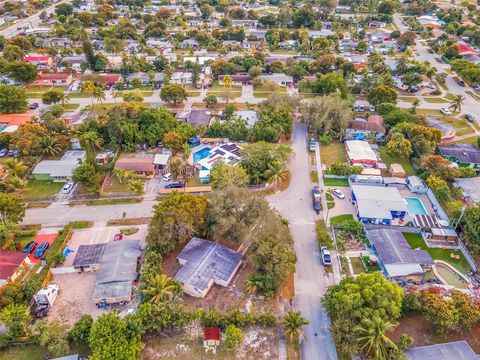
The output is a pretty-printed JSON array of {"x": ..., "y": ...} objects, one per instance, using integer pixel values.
[{"x": 317, "y": 203}]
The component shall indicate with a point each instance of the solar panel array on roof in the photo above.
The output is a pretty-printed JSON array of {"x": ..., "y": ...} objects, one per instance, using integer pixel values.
[
  {"x": 234, "y": 149},
  {"x": 392, "y": 248},
  {"x": 427, "y": 221}
]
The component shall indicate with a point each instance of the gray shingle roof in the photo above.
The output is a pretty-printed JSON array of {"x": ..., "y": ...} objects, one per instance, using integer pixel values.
[
  {"x": 392, "y": 248},
  {"x": 87, "y": 255},
  {"x": 466, "y": 153},
  {"x": 119, "y": 262},
  {"x": 206, "y": 260}
]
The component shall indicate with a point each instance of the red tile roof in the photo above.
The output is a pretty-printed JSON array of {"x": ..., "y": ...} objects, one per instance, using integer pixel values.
[
  {"x": 9, "y": 262},
  {"x": 374, "y": 123},
  {"x": 36, "y": 58},
  {"x": 54, "y": 76},
  {"x": 211, "y": 333}
]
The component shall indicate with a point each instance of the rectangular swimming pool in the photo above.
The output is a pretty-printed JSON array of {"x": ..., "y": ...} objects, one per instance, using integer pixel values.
[
  {"x": 201, "y": 154},
  {"x": 415, "y": 206}
]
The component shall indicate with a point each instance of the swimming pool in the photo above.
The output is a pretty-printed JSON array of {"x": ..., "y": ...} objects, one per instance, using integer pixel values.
[
  {"x": 201, "y": 154},
  {"x": 415, "y": 206}
]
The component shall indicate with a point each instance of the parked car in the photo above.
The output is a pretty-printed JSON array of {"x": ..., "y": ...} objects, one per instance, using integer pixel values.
[
  {"x": 371, "y": 108},
  {"x": 469, "y": 117},
  {"x": 326, "y": 257},
  {"x": 41, "y": 249},
  {"x": 317, "y": 202},
  {"x": 167, "y": 177},
  {"x": 476, "y": 87},
  {"x": 34, "y": 105},
  {"x": 174, "y": 185},
  {"x": 446, "y": 111},
  {"x": 361, "y": 108},
  {"x": 338, "y": 194},
  {"x": 413, "y": 89},
  {"x": 30, "y": 246},
  {"x": 118, "y": 237},
  {"x": 312, "y": 145},
  {"x": 67, "y": 188},
  {"x": 3, "y": 152},
  {"x": 12, "y": 153},
  {"x": 461, "y": 83}
]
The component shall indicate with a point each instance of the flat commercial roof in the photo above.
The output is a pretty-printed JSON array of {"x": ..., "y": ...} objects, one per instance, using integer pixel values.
[
  {"x": 392, "y": 248},
  {"x": 206, "y": 260},
  {"x": 459, "y": 350}
]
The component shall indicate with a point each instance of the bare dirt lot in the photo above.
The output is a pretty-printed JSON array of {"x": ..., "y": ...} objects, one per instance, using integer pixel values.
[
  {"x": 258, "y": 343},
  {"x": 74, "y": 298}
]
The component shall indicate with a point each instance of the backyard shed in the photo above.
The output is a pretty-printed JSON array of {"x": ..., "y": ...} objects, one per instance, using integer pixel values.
[
  {"x": 204, "y": 263},
  {"x": 397, "y": 170}
]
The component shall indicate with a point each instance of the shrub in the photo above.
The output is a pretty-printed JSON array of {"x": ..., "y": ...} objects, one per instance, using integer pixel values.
[{"x": 323, "y": 237}]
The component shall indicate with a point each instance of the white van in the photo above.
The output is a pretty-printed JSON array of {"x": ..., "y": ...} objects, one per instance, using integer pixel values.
[{"x": 167, "y": 177}]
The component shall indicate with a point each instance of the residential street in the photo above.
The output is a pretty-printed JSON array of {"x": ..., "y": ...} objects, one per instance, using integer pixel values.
[{"x": 311, "y": 279}]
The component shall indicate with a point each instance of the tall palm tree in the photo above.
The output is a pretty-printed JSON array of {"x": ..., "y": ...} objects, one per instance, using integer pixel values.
[
  {"x": 275, "y": 173},
  {"x": 161, "y": 288},
  {"x": 15, "y": 184},
  {"x": 49, "y": 146},
  {"x": 292, "y": 323},
  {"x": 15, "y": 167},
  {"x": 91, "y": 140},
  {"x": 373, "y": 339},
  {"x": 88, "y": 87},
  {"x": 123, "y": 176},
  {"x": 137, "y": 186},
  {"x": 457, "y": 103}
]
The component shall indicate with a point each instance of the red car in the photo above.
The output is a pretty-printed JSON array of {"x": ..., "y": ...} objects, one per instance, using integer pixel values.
[{"x": 118, "y": 237}]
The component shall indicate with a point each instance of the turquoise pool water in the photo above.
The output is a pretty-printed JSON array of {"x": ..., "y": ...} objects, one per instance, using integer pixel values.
[
  {"x": 415, "y": 206},
  {"x": 201, "y": 154}
]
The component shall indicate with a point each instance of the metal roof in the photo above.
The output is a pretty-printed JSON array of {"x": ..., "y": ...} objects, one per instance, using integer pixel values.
[
  {"x": 392, "y": 248},
  {"x": 206, "y": 261},
  {"x": 119, "y": 262},
  {"x": 459, "y": 350}
]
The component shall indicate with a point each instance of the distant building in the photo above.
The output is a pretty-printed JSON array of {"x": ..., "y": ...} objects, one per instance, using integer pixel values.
[
  {"x": 250, "y": 116},
  {"x": 458, "y": 350},
  {"x": 205, "y": 263},
  {"x": 360, "y": 153},
  {"x": 372, "y": 128},
  {"x": 53, "y": 80},
  {"x": 461, "y": 154},
  {"x": 59, "y": 170},
  {"x": 12, "y": 264},
  {"x": 141, "y": 164}
]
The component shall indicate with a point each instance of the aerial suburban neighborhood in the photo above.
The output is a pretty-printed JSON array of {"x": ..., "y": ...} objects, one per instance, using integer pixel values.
[{"x": 217, "y": 179}]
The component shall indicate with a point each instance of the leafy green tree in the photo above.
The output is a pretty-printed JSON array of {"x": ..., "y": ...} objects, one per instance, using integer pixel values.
[
  {"x": 411, "y": 79},
  {"x": 398, "y": 147},
  {"x": 16, "y": 318},
  {"x": 382, "y": 94},
  {"x": 233, "y": 337},
  {"x": 15, "y": 167},
  {"x": 471, "y": 227},
  {"x": 22, "y": 72},
  {"x": 52, "y": 336},
  {"x": 173, "y": 141},
  {"x": 112, "y": 339},
  {"x": 85, "y": 174},
  {"x": 12, "y": 99},
  {"x": 89, "y": 54},
  {"x": 173, "y": 93},
  {"x": 373, "y": 339},
  {"x": 12, "y": 209},
  {"x": 133, "y": 96},
  {"x": 13, "y": 53},
  {"x": 64, "y": 9},
  {"x": 326, "y": 114},
  {"x": 160, "y": 288},
  {"x": 177, "y": 217},
  {"x": 210, "y": 100},
  {"x": 223, "y": 176},
  {"x": 54, "y": 96},
  {"x": 293, "y": 322},
  {"x": 80, "y": 332}
]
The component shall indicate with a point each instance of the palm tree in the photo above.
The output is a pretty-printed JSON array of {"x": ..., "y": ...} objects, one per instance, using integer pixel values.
[
  {"x": 123, "y": 175},
  {"x": 15, "y": 184},
  {"x": 88, "y": 87},
  {"x": 91, "y": 141},
  {"x": 99, "y": 94},
  {"x": 292, "y": 323},
  {"x": 15, "y": 167},
  {"x": 227, "y": 83},
  {"x": 137, "y": 186},
  {"x": 457, "y": 103},
  {"x": 49, "y": 146},
  {"x": 161, "y": 287},
  {"x": 275, "y": 173},
  {"x": 373, "y": 339}
]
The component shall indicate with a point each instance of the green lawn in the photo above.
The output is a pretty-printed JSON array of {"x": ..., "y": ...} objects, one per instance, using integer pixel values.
[
  {"x": 464, "y": 131},
  {"x": 34, "y": 95},
  {"x": 217, "y": 87},
  {"x": 357, "y": 265},
  {"x": 41, "y": 190},
  {"x": 313, "y": 176},
  {"x": 340, "y": 218},
  {"x": 471, "y": 140},
  {"x": 434, "y": 100},
  {"x": 333, "y": 153},
  {"x": 409, "y": 99},
  {"x": 390, "y": 160},
  {"x": 416, "y": 241},
  {"x": 335, "y": 182},
  {"x": 71, "y": 107},
  {"x": 28, "y": 352}
]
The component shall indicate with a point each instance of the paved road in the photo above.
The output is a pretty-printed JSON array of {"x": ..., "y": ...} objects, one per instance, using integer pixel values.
[
  {"x": 59, "y": 214},
  {"x": 311, "y": 280},
  {"x": 30, "y": 22}
]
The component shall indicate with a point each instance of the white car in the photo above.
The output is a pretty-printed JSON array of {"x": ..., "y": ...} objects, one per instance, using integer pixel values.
[
  {"x": 67, "y": 188},
  {"x": 326, "y": 257},
  {"x": 446, "y": 111},
  {"x": 338, "y": 194}
]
